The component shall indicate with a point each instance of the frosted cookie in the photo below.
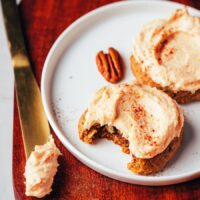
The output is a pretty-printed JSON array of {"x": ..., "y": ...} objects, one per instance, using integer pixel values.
[
  {"x": 165, "y": 54},
  {"x": 144, "y": 121}
]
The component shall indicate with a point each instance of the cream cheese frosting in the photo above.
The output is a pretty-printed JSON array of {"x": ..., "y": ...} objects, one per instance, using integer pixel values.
[
  {"x": 168, "y": 51},
  {"x": 147, "y": 117},
  {"x": 41, "y": 168}
]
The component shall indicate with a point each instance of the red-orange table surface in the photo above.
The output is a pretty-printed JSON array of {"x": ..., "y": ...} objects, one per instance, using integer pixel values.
[{"x": 43, "y": 21}]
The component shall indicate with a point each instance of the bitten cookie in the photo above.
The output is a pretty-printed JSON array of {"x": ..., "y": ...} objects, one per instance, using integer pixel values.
[{"x": 143, "y": 120}]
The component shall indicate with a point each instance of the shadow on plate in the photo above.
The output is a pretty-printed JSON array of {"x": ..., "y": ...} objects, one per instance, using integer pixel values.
[{"x": 188, "y": 136}]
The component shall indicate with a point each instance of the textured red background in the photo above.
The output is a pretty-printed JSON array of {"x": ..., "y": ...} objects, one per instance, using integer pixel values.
[{"x": 43, "y": 21}]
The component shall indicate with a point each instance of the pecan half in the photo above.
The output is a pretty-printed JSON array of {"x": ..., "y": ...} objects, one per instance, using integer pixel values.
[{"x": 109, "y": 65}]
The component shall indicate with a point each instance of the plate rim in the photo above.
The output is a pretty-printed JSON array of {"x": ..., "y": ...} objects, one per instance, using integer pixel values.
[{"x": 140, "y": 180}]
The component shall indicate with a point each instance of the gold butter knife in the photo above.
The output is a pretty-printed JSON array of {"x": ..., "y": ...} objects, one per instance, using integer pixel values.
[{"x": 34, "y": 124}]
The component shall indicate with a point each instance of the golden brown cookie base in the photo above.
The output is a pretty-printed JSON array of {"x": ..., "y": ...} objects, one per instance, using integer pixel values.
[
  {"x": 157, "y": 163},
  {"x": 137, "y": 165},
  {"x": 143, "y": 78}
]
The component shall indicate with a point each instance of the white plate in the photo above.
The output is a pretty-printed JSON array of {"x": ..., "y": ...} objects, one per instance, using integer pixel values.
[{"x": 70, "y": 77}]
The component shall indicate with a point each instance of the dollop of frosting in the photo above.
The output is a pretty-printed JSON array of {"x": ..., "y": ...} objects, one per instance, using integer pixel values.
[
  {"x": 41, "y": 168},
  {"x": 147, "y": 117},
  {"x": 168, "y": 51}
]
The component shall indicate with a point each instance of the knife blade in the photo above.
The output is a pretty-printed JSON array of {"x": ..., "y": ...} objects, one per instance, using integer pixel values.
[{"x": 33, "y": 121}]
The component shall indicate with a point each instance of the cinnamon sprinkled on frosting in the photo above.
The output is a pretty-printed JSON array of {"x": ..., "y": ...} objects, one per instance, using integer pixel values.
[
  {"x": 168, "y": 51},
  {"x": 148, "y": 118}
]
